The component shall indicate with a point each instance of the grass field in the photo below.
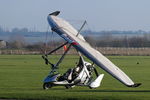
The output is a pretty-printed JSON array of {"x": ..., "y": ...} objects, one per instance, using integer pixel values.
[{"x": 21, "y": 77}]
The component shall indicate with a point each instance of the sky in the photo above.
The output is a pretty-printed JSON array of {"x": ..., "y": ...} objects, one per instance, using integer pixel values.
[{"x": 100, "y": 14}]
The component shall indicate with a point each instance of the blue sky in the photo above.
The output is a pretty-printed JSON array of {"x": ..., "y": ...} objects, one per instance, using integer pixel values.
[{"x": 100, "y": 14}]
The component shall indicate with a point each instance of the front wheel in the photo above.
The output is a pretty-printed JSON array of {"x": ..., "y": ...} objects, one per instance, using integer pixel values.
[{"x": 47, "y": 86}]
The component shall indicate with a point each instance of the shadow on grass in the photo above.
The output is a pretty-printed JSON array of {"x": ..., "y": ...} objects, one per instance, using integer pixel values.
[{"x": 110, "y": 91}]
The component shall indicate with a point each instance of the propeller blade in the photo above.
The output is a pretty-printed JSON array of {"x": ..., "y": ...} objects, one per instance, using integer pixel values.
[{"x": 96, "y": 72}]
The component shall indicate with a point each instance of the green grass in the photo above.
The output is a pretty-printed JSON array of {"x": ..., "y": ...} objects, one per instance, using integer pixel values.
[{"x": 21, "y": 77}]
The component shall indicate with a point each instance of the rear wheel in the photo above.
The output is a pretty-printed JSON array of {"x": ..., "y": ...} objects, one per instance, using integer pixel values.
[
  {"x": 47, "y": 86},
  {"x": 67, "y": 87}
]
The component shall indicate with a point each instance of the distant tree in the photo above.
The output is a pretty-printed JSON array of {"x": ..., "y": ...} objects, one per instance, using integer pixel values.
[
  {"x": 24, "y": 30},
  {"x": 1, "y": 29},
  {"x": 17, "y": 41},
  {"x": 15, "y": 30},
  {"x": 36, "y": 46},
  {"x": 91, "y": 40}
]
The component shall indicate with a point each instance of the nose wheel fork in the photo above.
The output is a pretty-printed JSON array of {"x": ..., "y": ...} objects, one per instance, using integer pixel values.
[{"x": 47, "y": 86}]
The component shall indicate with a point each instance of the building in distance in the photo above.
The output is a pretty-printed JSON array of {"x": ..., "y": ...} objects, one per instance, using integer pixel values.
[{"x": 3, "y": 44}]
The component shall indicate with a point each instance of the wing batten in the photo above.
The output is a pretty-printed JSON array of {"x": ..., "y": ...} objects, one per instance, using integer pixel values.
[{"x": 69, "y": 34}]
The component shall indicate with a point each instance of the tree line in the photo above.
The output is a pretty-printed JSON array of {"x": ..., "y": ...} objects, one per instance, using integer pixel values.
[
  {"x": 96, "y": 39},
  {"x": 99, "y": 41},
  {"x": 124, "y": 41}
]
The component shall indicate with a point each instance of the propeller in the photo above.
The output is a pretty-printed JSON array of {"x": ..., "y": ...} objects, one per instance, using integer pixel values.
[{"x": 96, "y": 73}]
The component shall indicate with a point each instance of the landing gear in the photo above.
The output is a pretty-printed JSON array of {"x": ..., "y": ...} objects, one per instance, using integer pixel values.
[
  {"x": 47, "y": 86},
  {"x": 67, "y": 87}
]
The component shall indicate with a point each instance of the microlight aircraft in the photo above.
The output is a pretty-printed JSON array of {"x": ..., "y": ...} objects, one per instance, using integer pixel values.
[{"x": 80, "y": 75}]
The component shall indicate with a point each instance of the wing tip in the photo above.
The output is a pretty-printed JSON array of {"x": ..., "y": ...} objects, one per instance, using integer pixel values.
[
  {"x": 135, "y": 85},
  {"x": 55, "y": 13}
]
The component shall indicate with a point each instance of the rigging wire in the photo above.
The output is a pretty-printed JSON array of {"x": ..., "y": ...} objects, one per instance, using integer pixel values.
[
  {"x": 43, "y": 48},
  {"x": 46, "y": 40}
]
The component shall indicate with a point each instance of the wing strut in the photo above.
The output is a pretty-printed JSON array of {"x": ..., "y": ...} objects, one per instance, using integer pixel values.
[
  {"x": 45, "y": 55},
  {"x": 81, "y": 28},
  {"x": 62, "y": 57},
  {"x": 55, "y": 66},
  {"x": 56, "y": 49}
]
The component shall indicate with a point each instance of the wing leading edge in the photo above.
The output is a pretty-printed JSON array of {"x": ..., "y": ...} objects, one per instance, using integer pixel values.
[{"x": 66, "y": 31}]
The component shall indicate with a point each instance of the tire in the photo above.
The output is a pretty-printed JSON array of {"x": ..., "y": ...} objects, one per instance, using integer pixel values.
[
  {"x": 46, "y": 86},
  {"x": 68, "y": 87}
]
